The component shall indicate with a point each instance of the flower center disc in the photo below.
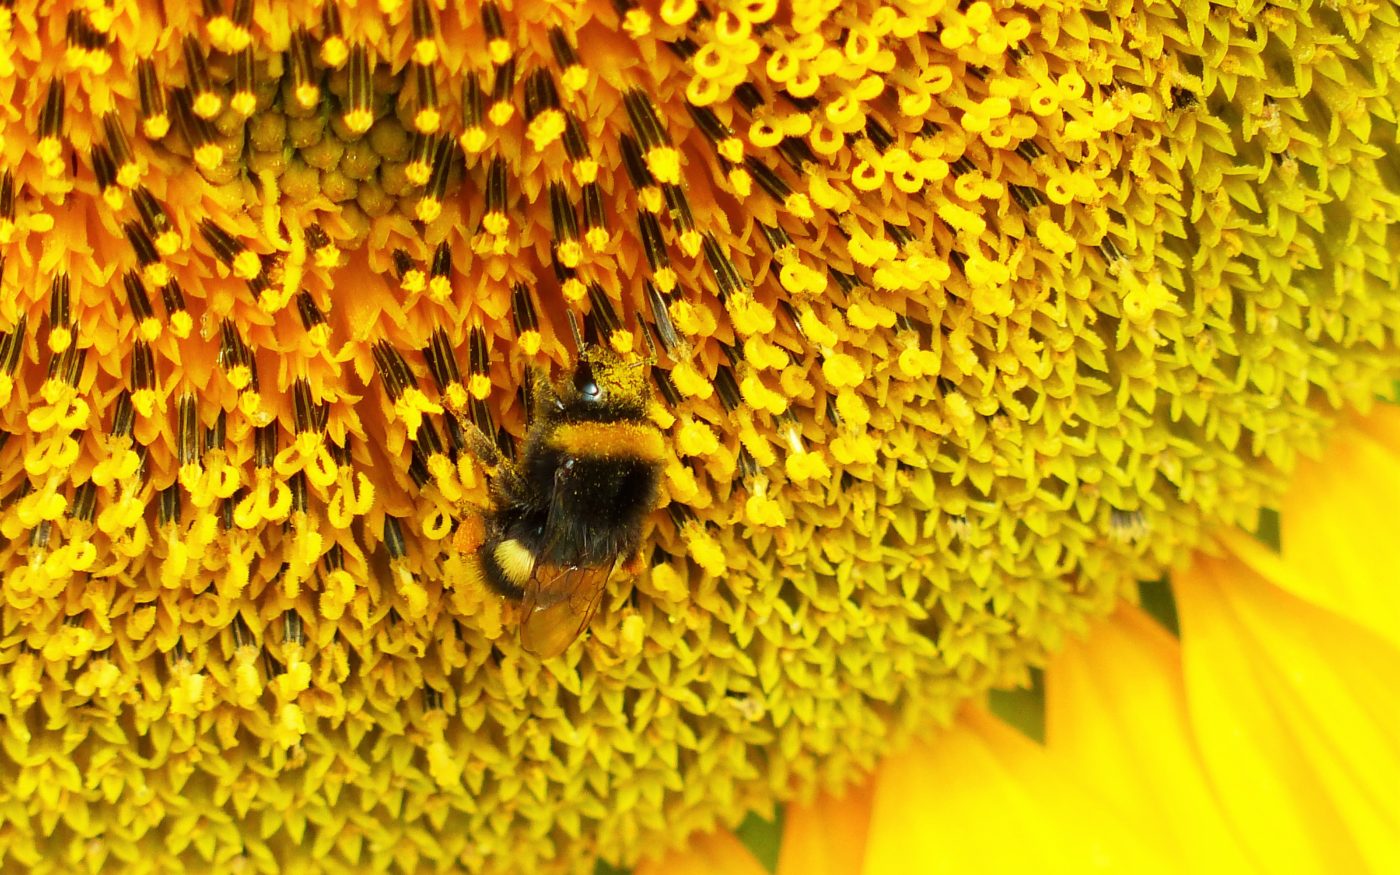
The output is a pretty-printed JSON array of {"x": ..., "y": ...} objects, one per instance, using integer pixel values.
[{"x": 966, "y": 317}]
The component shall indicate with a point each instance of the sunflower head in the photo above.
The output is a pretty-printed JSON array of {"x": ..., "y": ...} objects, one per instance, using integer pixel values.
[{"x": 965, "y": 317}]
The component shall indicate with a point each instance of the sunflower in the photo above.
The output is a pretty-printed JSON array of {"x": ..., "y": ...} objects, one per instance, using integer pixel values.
[
  {"x": 1248, "y": 727},
  {"x": 960, "y": 319}
]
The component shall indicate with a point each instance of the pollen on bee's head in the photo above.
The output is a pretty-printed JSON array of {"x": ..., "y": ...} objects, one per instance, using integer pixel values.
[{"x": 621, "y": 378}]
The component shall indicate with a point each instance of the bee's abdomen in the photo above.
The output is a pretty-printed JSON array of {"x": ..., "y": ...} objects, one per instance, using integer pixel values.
[{"x": 506, "y": 566}]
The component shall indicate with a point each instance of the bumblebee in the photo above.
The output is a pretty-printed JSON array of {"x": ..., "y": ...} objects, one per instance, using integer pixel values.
[{"x": 570, "y": 511}]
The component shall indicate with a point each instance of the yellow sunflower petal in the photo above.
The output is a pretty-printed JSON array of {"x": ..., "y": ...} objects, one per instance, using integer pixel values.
[
  {"x": 983, "y": 798},
  {"x": 707, "y": 853},
  {"x": 1296, "y": 716},
  {"x": 1115, "y": 712},
  {"x": 827, "y": 836},
  {"x": 1338, "y": 523}
]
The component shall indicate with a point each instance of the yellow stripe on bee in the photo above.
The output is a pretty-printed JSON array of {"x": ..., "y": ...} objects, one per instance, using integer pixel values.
[
  {"x": 610, "y": 440},
  {"x": 516, "y": 561}
]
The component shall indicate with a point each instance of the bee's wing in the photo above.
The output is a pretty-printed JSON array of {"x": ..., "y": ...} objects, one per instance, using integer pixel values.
[
  {"x": 558, "y": 528},
  {"x": 559, "y": 602}
]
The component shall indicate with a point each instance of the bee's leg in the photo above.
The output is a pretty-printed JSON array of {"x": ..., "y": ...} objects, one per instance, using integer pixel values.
[
  {"x": 484, "y": 450},
  {"x": 635, "y": 564},
  {"x": 480, "y": 445},
  {"x": 471, "y": 532},
  {"x": 505, "y": 479}
]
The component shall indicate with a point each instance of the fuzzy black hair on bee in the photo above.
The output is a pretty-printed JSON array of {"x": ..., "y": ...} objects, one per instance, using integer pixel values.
[{"x": 573, "y": 506}]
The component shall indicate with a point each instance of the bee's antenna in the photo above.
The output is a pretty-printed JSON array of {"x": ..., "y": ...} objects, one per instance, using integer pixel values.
[{"x": 574, "y": 330}]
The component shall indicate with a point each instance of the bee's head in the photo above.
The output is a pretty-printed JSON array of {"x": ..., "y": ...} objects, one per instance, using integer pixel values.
[{"x": 603, "y": 387}]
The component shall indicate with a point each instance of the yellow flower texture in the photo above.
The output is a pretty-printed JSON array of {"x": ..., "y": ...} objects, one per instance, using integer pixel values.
[
  {"x": 1251, "y": 729},
  {"x": 967, "y": 317}
]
